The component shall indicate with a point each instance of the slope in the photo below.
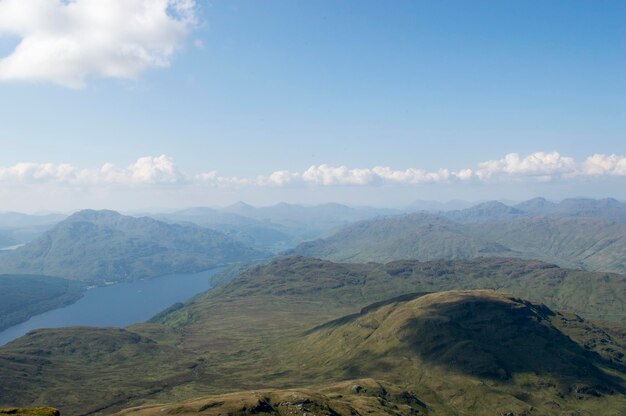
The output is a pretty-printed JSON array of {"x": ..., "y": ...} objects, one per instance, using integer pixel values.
[
  {"x": 444, "y": 340},
  {"x": 418, "y": 236},
  {"x": 247, "y": 334},
  {"x": 580, "y": 242},
  {"x": 347, "y": 398}
]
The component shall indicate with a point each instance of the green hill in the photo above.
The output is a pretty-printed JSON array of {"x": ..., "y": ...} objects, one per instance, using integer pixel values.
[
  {"x": 418, "y": 236},
  {"x": 93, "y": 245},
  {"x": 578, "y": 242},
  {"x": 84, "y": 368},
  {"x": 586, "y": 243},
  {"x": 437, "y": 342},
  {"x": 259, "y": 330}
]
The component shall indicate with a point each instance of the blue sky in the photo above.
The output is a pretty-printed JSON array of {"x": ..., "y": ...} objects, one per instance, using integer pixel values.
[{"x": 253, "y": 87}]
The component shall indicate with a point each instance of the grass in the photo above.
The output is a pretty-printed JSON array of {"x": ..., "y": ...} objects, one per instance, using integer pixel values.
[
  {"x": 258, "y": 332},
  {"x": 348, "y": 398}
]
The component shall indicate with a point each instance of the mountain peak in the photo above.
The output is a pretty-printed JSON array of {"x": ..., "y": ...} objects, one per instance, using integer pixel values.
[
  {"x": 94, "y": 215},
  {"x": 239, "y": 206}
]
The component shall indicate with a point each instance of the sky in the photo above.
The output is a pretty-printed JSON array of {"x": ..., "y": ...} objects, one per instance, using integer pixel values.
[{"x": 133, "y": 104}]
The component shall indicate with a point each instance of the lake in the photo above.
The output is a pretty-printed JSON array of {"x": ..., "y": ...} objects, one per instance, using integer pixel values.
[{"x": 119, "y": 304}]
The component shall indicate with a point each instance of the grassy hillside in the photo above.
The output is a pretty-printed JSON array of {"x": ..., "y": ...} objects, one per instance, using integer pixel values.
[
  {"x": 347, "y": 398},
  {"x": 439, "y": 341},
  {"x": 585, "y": 243},
  {"x": 23, "y": 296},
  {"x": 92, "y": 245},
  {"x": 80, "y": 370},
  {"x": 254, "y": 333},
  {"x": 570, "y": 241}
]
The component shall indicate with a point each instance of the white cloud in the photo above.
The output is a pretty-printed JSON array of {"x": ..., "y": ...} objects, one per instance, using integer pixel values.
[
  {"x": 161, "y": 170},
  {"x": 65, "y": 41},
  {"x": 279, "y": 178},
  {"x": 605, "y": 165},
  {"x": 328, "y": 175},
  {"x": 213, "y": 179},
  {"x": 35, "y": 172},
  {"x": 540, "y": 165},
  {"x": 144, "y": 171}
]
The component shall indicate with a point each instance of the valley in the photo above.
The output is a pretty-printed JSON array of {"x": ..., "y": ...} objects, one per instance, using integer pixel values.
[
  {"x": 263, "y": 328},
  {"x": 312, "y": 208},
  {"x": 115, "y": 305},
  {"x": 495, "y": 303}
]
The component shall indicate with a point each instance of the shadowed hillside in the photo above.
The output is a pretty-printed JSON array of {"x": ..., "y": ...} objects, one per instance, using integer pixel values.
[
  {"x": 23, "y": 296},
  {"x": 447, "y": 338},
  {"x": 37, "y": 411},
  {"x": 479, "y": 333}
]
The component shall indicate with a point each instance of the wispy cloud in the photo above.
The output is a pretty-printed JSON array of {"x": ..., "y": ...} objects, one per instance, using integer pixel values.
[
  {"x": 64, "y": 42},
  {"x": 161, "y": 170}
]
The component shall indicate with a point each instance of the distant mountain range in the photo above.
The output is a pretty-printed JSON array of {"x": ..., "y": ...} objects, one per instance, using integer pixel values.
[
  {"x": 277, "y": 227},
  {"x": 579, "y": 234},
  {"x": 17, "y": 228},
  {"x": 104, "y": 245},
  {"x": 607, "y": 209}
]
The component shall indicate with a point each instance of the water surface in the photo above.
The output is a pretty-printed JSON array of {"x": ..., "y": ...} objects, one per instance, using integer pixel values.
[{"x": 119, "y": 305}]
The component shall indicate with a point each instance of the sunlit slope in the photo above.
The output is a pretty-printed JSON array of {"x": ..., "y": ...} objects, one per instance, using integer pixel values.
[
  {"x": 348, "y": 398},
  {"x": 586, "y": 243},
  {"x": 418, "y": 236}
]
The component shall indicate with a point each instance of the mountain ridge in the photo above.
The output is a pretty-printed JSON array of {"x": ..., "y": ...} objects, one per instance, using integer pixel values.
[{"x": 99, "y": 245}]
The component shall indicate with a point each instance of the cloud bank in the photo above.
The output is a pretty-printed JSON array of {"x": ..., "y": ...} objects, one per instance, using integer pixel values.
[
  {"x": 161, "y": 171},
  {"x": 64, "y": 42}
]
